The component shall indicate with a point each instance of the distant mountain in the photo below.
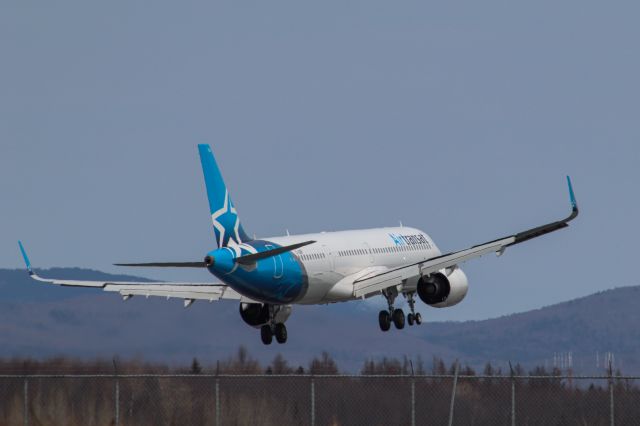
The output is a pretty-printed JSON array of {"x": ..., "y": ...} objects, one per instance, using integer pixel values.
[
  {"x": 39, "y": 320},
  {"x": 608, "y": 321}
]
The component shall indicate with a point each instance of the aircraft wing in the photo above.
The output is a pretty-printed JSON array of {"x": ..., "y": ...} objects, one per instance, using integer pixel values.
[
  {"x": 189, "y": 292},
  {"x": 375, "y": 283}
]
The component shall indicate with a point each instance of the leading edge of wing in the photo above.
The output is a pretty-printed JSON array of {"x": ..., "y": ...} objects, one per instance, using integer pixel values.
[{"x": 449, "y": 259}]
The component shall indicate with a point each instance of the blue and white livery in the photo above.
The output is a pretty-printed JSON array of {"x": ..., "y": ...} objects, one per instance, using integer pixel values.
[{"x": 268, "y": 276}]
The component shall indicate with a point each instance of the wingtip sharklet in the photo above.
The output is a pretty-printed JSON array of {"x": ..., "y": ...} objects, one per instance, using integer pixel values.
[
  {"x": 572, "y": 196},
  {"x": 27, "y": 262}
]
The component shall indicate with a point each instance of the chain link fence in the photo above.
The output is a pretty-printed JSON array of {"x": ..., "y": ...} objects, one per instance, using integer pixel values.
[{"x": 215, "y": 400}]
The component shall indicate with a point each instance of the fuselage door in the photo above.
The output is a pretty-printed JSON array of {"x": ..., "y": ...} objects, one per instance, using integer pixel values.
[{"x": 329, "y": 256}]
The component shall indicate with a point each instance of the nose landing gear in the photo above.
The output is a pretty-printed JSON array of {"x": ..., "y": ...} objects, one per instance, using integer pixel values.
[{"x": 413, "y": 317}]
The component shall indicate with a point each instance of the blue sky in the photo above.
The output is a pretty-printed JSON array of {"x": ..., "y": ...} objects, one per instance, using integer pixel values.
[{"x": 461, "y": 119}]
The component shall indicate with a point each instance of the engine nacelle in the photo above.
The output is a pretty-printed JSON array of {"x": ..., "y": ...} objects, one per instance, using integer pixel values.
[
  {"x": 257, "y": 314},
  {"x": 254, "y": 314},
  {"x": 441, "y": 291}
]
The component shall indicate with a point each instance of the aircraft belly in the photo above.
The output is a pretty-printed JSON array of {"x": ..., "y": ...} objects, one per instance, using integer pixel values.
[{"x": 319, "y": 284}]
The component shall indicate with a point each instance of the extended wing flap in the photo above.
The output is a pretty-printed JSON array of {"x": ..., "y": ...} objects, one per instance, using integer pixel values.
[{"x": 209, "y": 292}]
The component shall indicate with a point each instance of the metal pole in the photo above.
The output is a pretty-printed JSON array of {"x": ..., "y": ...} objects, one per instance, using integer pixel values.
[
  {"x": 453, "y": 393},
  {"x": 217, "y": 402},
  {"x": 313, "y": 402},
  {"x": 613, "y": 422},
  {"x": 117, "y": 391},
  {"x": 513, "y": 401},
  {"x": 117, "y": 401},
  {"x": 413, "y": 401},
  {"x": 26, "y": 401},
  {"x": 513, "y": 396}
]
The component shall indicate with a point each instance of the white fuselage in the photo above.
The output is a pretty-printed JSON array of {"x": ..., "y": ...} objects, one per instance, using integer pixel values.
[{"x": 337, "y": 259}]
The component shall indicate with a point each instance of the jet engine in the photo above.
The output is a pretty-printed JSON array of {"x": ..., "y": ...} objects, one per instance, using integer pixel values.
[
  {"x": 254, "y": 314},
  {"x": 443, "y": 289},
  {"x": 257, "y": 314}
]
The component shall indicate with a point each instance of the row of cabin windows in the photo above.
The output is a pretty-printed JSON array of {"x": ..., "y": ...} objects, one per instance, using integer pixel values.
[
  {"x": 383, "y": 250},
  {"x": 360, "y": 252},
  {"x": 312, "y": 256}
]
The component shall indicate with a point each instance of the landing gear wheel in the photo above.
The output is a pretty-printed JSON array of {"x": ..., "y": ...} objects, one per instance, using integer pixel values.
[
  {"x": 410, "y": 319},
  {"x": 385, "y": 320},
  {"x": 266, "y": 335},
  {"x": 281, "y": 333},
  {"x": 418, "y": 318},
  {"x": 398, "y": 319}
]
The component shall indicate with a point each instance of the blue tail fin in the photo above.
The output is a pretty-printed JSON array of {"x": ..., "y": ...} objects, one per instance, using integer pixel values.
[{"x": 226, "y": 223}]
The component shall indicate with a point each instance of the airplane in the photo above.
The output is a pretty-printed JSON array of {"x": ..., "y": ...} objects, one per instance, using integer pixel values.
[{"x": 268, "y": 276}]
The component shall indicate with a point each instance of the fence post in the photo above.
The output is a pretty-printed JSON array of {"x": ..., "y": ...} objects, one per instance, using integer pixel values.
[
  {"x": 117, "y": 392},
  {"x": 217, "y": 401},
  {"x": 413, "y": 400},
  {"x": 513, "y": 396},
  {"x": 117, "y": 401},
  {"x": 453, "y": 393},
  {"x": 26, "y": 401},
  {"x": 613, "y": 422},
  {"x": 313, "y": 402}
]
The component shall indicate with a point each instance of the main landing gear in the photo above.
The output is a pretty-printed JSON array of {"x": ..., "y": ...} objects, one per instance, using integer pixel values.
[
  {"x": 268, "y": 331},
  {"x": 385, "y": 318},
  {"x": 273, "y": 328}
]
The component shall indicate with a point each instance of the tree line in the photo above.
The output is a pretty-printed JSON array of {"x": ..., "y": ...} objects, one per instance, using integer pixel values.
[
  {"x": 247, "y": 392},
  {"x": 241, "y": 362}
]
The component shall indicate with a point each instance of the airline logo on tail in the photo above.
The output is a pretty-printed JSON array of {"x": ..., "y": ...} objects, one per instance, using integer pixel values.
[
  {"x": 226, "y": 223},
  {"x": 226, "y": 219}
]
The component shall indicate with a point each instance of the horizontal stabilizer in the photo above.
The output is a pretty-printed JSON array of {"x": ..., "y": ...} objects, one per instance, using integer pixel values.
[
  {"x": 200, "y": 264},
  {"x": 252, "y": 258}
]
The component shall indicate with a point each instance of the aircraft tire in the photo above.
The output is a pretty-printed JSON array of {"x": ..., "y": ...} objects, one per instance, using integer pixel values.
[
  {"x": 418, "y": 318},
  {"x": 266, "y": 335},
  {"x": 281, "y": 333},
  {"x": 384, "y": 319},
  {"x": 398, "y": 319},
  {"x": 410, "y": 319}
]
